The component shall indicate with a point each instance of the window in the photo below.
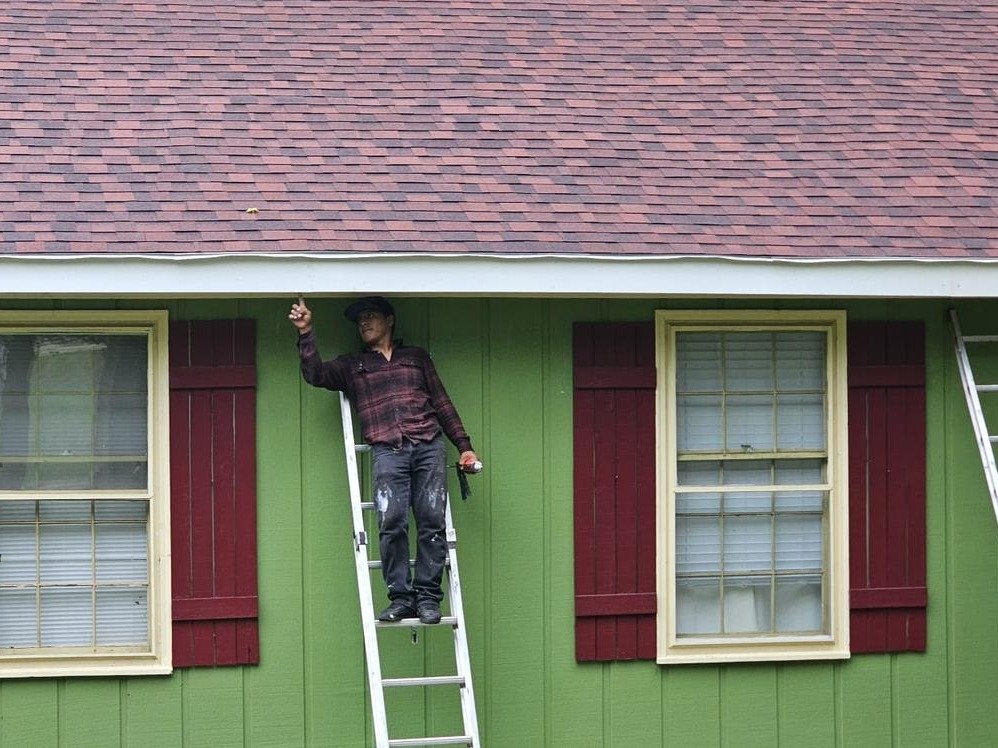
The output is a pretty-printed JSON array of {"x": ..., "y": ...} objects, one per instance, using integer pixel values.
[
  {"x": 84, "y": 520},
  {"x": 752, "y": 481}
]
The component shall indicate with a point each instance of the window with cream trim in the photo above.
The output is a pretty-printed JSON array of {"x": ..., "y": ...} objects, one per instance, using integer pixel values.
[
  {"x": 752, "y": 486},
  {"x": 84, "y": 519}
]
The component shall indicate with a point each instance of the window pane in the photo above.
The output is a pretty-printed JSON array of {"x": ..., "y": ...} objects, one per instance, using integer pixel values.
[
  {"x": 749, "y": 421},
  {"x": 748, "y": 544},
  {"x": 121, "y": 552},
  {"x": 122, "y": 616},
  {"x": 67, "y": 616},
  {"x": 17, "y": 511},
  {"x": 61, "y": 475},
  {"x": 698, "y": 503},
  {"x": 748, "y": 501},
  {"x": 15, "y": 422},
  {"x": 65, "y": 424},
  {"x": 748, "y": 472},
  {"x": 64, "y": 363},
  {"x": 800, "y": 361},
  {"x": 747, "y": 605},
  {"x": 120, "y": 474},
  {"x": 800, "y": 501},
  {"x": 65, "y": 510},
  {"x": 65, "y": 554},
  {"x": 799, "y": 472},
  {"x": 798, "y": 604},
  {"x": 698, "y": 606},
  {"x": 18, "y": 618},
  {"x": 698, "y": 362},
  {"x": 707, "y": 473},
  {"x": 748, "y": 362},
  {"x": 799, "y": 542},
  {"x": 698, "y": 544},
  {"x": 800, "y": 421},
  {"x": 17, "y": 554},
  {"x": 121, "y": 425},
  {"x": 698, "y": 423},
  {"x": 134, "y": 510}
]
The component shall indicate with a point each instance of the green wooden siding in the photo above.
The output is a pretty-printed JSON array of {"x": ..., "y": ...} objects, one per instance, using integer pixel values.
[{"x": 507, "y": 365}]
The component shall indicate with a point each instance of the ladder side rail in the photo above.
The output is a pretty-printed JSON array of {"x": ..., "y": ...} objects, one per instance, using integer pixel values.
[
  {"x": 373, "y": 656},
  {"x": 461, "y": 652},
  {"x": 976, "y": 413}
]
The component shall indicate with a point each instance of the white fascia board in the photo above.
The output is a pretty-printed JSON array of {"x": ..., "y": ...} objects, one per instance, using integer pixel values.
[{"x": 286, "y": 274}]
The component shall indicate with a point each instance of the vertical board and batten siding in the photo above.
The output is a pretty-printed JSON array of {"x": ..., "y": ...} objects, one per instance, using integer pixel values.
[{"x": 508, "y": 366}]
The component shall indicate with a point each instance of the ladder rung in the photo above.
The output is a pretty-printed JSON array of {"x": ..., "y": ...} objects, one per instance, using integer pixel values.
[
  {"x": 987, "y": 388},
  {"x": 994, "y": 439},
  {"x": 429, "y": 680},
  {"x": 367, "y": 505},
  {"x": 980, "y": 338},
  {"x": 362, "y": 447},
  {"x": 376, "y": 563},
  {"x": 444, "y": 740},
  {"x": 406, "y": 622}
]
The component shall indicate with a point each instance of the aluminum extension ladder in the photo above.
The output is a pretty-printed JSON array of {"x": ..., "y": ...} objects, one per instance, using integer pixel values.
[
  {"x": 972, "y": 391},
  {"x": 376, "y": 683}
]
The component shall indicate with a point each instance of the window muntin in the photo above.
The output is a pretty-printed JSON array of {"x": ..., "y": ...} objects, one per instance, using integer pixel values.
[
  {"x": 83, "y": 494},
  {"x": 750, "y": 409}
]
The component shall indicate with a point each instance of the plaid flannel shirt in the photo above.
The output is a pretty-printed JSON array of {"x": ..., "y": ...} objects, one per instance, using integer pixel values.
[{"x": 396, "y": 399}]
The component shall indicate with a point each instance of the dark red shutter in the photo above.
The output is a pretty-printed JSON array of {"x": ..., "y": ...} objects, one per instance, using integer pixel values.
[
  {"x": 213, "y": 492},
  {"x": 614, "y": 486},
  {"x": 887, "y": 486}
]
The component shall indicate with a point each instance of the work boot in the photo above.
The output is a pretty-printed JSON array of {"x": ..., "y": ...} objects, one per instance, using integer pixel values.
[
  {"x": 428, "y": 611},
  {"x": 398, "y": 610}
]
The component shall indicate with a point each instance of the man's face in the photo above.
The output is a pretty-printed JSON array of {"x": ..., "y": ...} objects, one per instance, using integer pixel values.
[{"x": 373, "y": 326}]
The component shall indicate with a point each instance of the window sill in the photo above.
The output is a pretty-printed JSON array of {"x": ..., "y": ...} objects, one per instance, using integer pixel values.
[
  {"x": 785, "y": 650},
  {"x": 38, "y": 666}
]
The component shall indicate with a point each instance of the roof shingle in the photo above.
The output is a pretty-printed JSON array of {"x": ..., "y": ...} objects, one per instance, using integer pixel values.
[{"x": 768, "y": 127}]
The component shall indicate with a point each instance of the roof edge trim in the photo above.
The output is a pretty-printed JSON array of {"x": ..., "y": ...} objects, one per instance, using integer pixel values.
[{"x": 441, "y": 274}]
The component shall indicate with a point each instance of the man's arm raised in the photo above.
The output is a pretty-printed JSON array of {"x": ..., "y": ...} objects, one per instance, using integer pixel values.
[{"x": 328, "y": 374}]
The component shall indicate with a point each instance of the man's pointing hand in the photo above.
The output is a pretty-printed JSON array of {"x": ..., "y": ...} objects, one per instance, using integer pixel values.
[{"x": 301, "y": 316}]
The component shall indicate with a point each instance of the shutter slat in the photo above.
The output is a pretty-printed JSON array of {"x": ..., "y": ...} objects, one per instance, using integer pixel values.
[
  {"x": 215, "y": 608},
  {"x": 887, "y": 486},
  {"x": 224, "y": 538},
  {"x": 585, "y": 527},
  {"x": 247, "y": 632},
  {"x": 180, "y": 509},
  {"x": 614, "y": 490},
  {"x": 621, "y": 604},
  {"x": 213, "y": 377},
  {"x": 213, "y": 449}
]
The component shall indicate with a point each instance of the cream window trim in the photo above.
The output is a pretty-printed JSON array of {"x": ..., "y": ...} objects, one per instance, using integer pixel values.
[
  {"x": 114, "y": 661},
  {"x": 833, "y": 644}
]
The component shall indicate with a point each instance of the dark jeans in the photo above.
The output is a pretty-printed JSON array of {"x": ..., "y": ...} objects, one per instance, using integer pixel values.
[{"x": 412, "y": 475}]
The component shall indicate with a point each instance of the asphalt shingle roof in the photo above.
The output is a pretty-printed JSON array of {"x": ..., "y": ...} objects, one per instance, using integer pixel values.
[{"x": 778, "y": 127}]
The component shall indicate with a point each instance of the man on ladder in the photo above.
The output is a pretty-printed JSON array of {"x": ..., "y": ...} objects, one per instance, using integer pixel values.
[{"x": 403, "y": 408}]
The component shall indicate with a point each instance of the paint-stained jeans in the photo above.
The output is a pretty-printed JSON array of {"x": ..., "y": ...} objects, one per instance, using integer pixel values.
[{"x": 412, "y": 475}]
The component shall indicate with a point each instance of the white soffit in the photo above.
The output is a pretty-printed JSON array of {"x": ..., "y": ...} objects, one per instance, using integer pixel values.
[{"x": 286, "y": 274}]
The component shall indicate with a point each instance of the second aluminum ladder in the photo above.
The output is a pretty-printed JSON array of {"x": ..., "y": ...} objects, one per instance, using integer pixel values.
[{"x": 972, "y": 392}]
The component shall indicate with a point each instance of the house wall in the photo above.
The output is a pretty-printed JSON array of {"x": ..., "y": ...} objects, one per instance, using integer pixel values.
[{"x": 507, "y": 365}]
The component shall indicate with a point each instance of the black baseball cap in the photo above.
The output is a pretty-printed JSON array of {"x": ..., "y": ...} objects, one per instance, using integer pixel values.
[{"x": 366, "y": 304}]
